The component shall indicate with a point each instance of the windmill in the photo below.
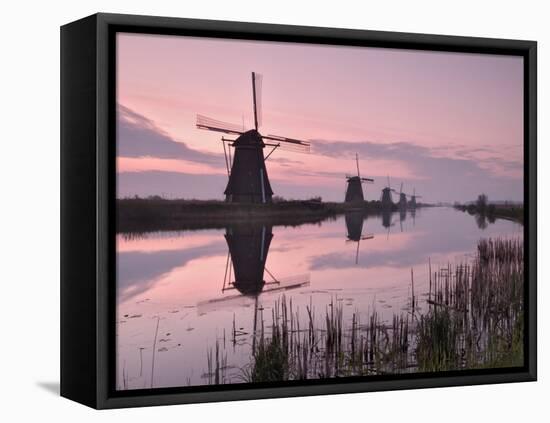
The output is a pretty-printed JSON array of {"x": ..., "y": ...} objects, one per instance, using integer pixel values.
[
  {"x": 412, "y": 203},
  {"x": 354, "y": 191},
  {"x": 248, "y": 180},
  {"x": 385, "y": 198},
  {"x": 248, "y": 247},
  {"x": 402, "y": 204},
  {"x": 354, "y": 226}
]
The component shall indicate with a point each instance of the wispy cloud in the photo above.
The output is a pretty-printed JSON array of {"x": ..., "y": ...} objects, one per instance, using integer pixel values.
[{"x": 138, "y": 136}]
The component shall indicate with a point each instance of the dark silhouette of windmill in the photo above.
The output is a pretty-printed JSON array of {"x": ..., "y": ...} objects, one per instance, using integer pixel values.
[
  {"x": 385, "y": 198},
  {"x": 248, "y": 247},
  {"x": 354, "y": 191},
  {"x": 402, "y": 204},
  {"x": 412, "y": 202},
  {"x": 354, "y": 226},
  {"x": 248, "y": 179}
]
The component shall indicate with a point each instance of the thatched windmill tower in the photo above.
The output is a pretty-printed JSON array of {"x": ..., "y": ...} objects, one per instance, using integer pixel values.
[
  {"x": 385, "y": 198},
  {"x": 248, "y": 179},
  {"x": 354, "y": 191}
]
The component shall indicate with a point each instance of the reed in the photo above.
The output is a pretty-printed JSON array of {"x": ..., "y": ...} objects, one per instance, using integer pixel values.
[
  {"x": 217, "y": 366},
  {"x": 476, "y": 312},
  {"x": 473, "y": 319},
  {"x": 154, "y": 349}
]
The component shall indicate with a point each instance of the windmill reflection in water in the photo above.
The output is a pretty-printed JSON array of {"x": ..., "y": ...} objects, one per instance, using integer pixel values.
[
  {"x": 389, "y": 219},
  {"x": 354, "y": 226},
  {"x": 246, "y": 272}
]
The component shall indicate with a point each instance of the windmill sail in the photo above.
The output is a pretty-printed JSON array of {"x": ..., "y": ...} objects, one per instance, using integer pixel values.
[
  {"x": 288, "y": 147},
  {"x": 288, "y": 143},
  {"x": 239, "y": 300},
  {"x": 204, "y": 122},
  {"x": 257, "y": 98}
]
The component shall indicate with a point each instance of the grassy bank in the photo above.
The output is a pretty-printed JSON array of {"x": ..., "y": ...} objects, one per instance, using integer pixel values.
[
  {"x": 473, "y": 318},
  {"x": 140, "y": 215},
  {"x": 510, "y": 212},
  {"x": 492, "y": 212}
]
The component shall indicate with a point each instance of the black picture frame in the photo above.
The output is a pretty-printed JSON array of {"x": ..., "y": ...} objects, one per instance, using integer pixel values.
[{"x": 87, "y": 207}]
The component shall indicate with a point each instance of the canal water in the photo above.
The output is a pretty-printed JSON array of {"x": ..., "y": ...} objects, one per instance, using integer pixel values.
[{"x": 179, "y": 294}]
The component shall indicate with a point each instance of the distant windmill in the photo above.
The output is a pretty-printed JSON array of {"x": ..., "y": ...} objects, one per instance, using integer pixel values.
[
  {"x": 354, "y": 191},
  {"x": 402, "y": 204},
  {"x": 248, "y": 180},
  {"x": 412, "y": 202},
  {"x": 387, "y": 202}
]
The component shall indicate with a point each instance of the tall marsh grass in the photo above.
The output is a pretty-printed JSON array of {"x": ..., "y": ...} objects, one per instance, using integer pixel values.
[{"x": 473, "y": 318}]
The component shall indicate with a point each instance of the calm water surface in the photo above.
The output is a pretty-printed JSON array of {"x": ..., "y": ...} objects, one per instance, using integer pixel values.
[{"x": 195, "y": 285}]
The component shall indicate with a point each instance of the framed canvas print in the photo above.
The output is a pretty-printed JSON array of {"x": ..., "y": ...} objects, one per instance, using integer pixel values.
[{"x": 255, "y": 211}]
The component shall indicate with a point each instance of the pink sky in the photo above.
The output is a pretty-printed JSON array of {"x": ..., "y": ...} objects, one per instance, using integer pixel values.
[{"x": 449, "y": 124}]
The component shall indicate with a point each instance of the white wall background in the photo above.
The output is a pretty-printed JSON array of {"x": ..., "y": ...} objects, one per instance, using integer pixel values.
[{"x": 29, "y": 98}]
